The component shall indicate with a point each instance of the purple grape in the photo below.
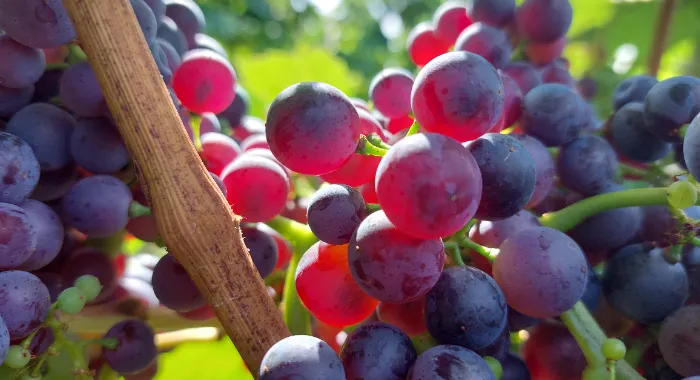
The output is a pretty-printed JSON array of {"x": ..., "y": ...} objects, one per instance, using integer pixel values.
[
  {"x": 209, "y": 123},
  {"x": 18, "y": 236},
  {"x": 4, "y": 340},
  {"x": 55, "y": 184},
  {"x": 486, "y": 41},
  {"x": 450, "y": 362},
  {"x": 544, "y": 167},
  {"x": 46, "y": 129},
  {"x": 524, "y": 74},
  {"x": 147, "y": 374},
  {"x": 262, "y": 248},
  {"x": 161, "y": 60},
  {"x": 96, "y": 263},
  {"x": 587, "y": 87},
  {"x": 514, "y": 368},
  {"x": 554, "y": 114},
  {"x": 21, "y": 65},
  {"x": 591, "y": 296},
  {"x": 97, "y": 146},
  {"x": 391, "y": 266},
  {"x": 14, "y": 99},
  {"x": 543, "y": 20},
  {"x": 188, "y": 17},
  {"x": 239, "y": 108},
  {"x": 169, "y": 31},
  {"x": 24, "y": 303},
  {"x": 47, "y": 87},
  {"x": 219, "y": 183},
  {"x": 301, "y": 357},
  {"x": 377, "y": 351},
  {"x": 542, "y": 272},
  {"x": 19, "y": 169},
  {"x": 641, "y": 285},
  {"x": 203, "y": 41},
  {"x": 498, "y": 13},
  {"x": 158, "y": 8},
  {"x": 670, "y": 104},
  {"x": 146, "y": 18},
  {"x": 493, "y": 234},
  {"x": 500, "y": 347},
  {"x": 335, "y": 212},
  {"x": 631, "y": 138},
  {"x": 172, "y": 57},
  {"x": 679, "y": 340},
  {"x": 632, "y": 89},
  {"x": 41, "y": 24},
  {"x": 49, "y": 231},
  {"x": 41, "y": 342},
  {"x": 136, "y": 348},
  {"x": 587, "y": 165},
  {"x": 174, "y": 287},
  {"x": 80, "y": 91},
  {"x": 390, "y": 92},
  {"x": 507, "y": 174},
  {"x": 557, "y": 73},
  {"x": 97, "y": 206}
]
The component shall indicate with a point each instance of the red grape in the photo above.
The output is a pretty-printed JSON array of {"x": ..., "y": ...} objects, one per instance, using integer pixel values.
[
  {"x": 486, "y": 41},
  {"x": 543, "y": 20},
  {"x": 544, "y": 53},
  {"x": 407, "y": 316},
  {"x": 524, "y": 74},
  {"x": 390, "y": 92},
  {"x": 96, "y": 263},
  {"x": 255, "y": 142},
  {"x": 512, "y": 101},
  {"x": 551, "y": 353},
  {"x": 423, "y": 44},
  {"x": 218, "y": 151},
  {"x": 450, "y": 20},
  {"x": 205, "y": 82}
]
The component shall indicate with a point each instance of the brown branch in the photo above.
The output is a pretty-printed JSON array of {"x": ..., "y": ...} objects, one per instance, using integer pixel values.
[
  {"x": 661, "y": 30},
  {"x": 193, "y": 216}
]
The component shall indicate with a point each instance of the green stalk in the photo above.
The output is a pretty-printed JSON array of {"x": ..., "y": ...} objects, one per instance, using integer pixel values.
[
  {"x": 365, "y": 147},
  {"x": 295, "y": 314},
  {"x": 414, "y": 129}
]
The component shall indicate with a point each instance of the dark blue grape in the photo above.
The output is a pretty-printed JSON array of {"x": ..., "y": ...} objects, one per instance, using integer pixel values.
[
  {"x": 239, "y": 108},
  {"x": 500, "y": 347},
  {"x": 136, "y": 348},
  {"x": 14, "y": 99},
  {"x": 53, "y": 282},
  {"x": 632, "y": 89},
  {"x": 466, "y": 307},
  {"x": 188, "y": 17},
  {"x": 658, "y": 226},
  {"x": 158, "y": 7},
  {"x": 587, "y": 87},
  {"x": 50, "y": 234},
  {"x": 507, "y": 173},
  {"x": 80, "y": 91},
  {"x": 670, "y": 104},
  {"x": 691, "y": 263},
  {"x": 554, "y": 114},
  {"x": 641, "y": 285},
  {"x": 46, "y": 129},
  {"x": 544, "y": 167},
  {"x": 486, "y": 41},
  {"x": 97, "y": 146},
  {"x": 47, "y": 87},
  {"x": 544, "y": 20},
  {"x": 450, "y": 362},
  {"x": 18, "y": 236},
  {"x": 146, "y": 18},
  {"x": 377, "y": 351},
  {"x": 524, "y": 74},
  {"x": 262, "y": 249},
  {"x": 172, "y": 58},
  {"x": 161, "y": 60},
  {"x": 629, "y": 135},
  {"x": 301, "y": 357},
  {"x": 174, "y": 287},
  {"x": 19, "y": 169},
  {"x": 97, "y": 206},
  {"x": 691, "y": 147},
  {"x": 587, "y": 165},
  {"x": 514, "y": 368},
  {"x": 203, "y": 41},
  {"x": 169, "y": 31},
  {"x": 591, "y": 296},
  {"x": 335, "y": 212},
  {"x": 492, "y": 12},
  {"x": 95, "y": 263},
  {"x": 4, "y": 340},
  {"x": 518, "y": 321},
  {"x": 24, "y": 302},
  {"x": 679, "y": 341}
]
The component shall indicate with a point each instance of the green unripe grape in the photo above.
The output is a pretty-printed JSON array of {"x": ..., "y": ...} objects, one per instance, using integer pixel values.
[
  {"x": 71, "y": 301},
  {"x": 495, "y": 366},
  {"x": 682, "y": 194},
  {"x": 89, "y": 285},
  {"x": 614, "y": 349},
  {"x": 17, "y": 357}
]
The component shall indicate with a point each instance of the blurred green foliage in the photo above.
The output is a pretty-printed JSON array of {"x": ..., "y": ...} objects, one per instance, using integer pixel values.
[{"x": 276, "y": 43}]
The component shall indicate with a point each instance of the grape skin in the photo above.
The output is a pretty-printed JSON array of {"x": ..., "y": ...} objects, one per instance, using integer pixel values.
[
  {"x": 670, "y": 104},
  {"x": 458, "y": 94},
  {"x": 262, "y": 249},
  {"x": 448, "y": 362},
  {"x": 544, "y": 167},
  {"x": 553, "y": 113},
  {"x": 18, "y": 236},
  {"x": 174, "y": 287},
  {"x": 218, "y": 151},
  {"x": 4, "y": 340},
  {"x": 203, "y": 41},
  {"x": 49, "y": 232},
  {"x": 499, "y": 348},
  {"x": 335, "y": 212},
  {"x": 96, "y": 263},
  {"x": 512, "y": 101},
  {"x": 466, "y": 307},
  {"x": 204, "y": 82},
  {"x": 80, "y": 91},
  {"x": 556, "y": 73},
  {"x": 55, "y": 184},
  {"x": 238, "y": 108},
  {"x": 24, "y": 303},
  {"x": 632, "y": 90},
  {"x": 169, "y": 31},
  {"x": 377, "y": 351},
  {"x": 390, "y": 92},
  {"x": 21, "y": 66},
  {"x": 97, "y": 146},
  {"x": 492, "y": 12},
  {"x": 524, "y": 74},
  {"x": 407, "y": 316},
  {"x": 691, "y": 147},
  {"x": 587, "y": 165},
  {"x": 679, "y": 341},
  {"x": 14, "y": 99},
  {"x": 543, "y": 20},
  {"x": 642, "y": 286},
  {"x": 546, "y": 53},
  {"x": 391, "y": 266},
  {"x": 493, "y": 233},
  {"x": 486, "y": 41},
  {"x": 630, "y": 137},
  {"x": 428, "y": 206},
  {"x": 541, "y": 271},
  {"x": 450, "y": 19},
  {"x": 423, "y": 45},
  {"x": 188, "y": 16},
  {"x": 514, "y": 368},
  {"x": 136, "y": 348},
  {"x": 551, "y": 352},
  {"x": 301, "y": 357},
  {"x": 97, "y": 206}
]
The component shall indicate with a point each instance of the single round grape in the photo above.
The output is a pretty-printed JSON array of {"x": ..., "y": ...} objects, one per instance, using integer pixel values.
[
  {"x": 301, "y": 357},
  {"x": 203, "y": 41},
  {"x": 71, "y": 301},
  {"x": 512, "y": 101},
  {"x": 553, "y": 113},
  {"x": 524, "y": 74},
  {"x": 679, "y": 340},
  {"x": 89, "y": 285},
  {"x": 632, "y": 90},
  {"x": 507, "y": 172},
  {"x": 448, "y": 362},
  {"x": 256, "y": 188},
  {"x": 466, "y": 308},
  {"x": 90, "y": 261},
  {"x": 97, "y": 206},
  {"x": 390, "y": 92},
  {"x": 49, "y": 234},
  {"x": 450, "y": 19},
  {"x": 682, "y": 194},
  {"x": 255, "y": 142},
  {"x": 493, "y": 233},
  {"x": 545, "y": 53},
  {"x": 499, "y": 348},
  {"x": 428, "y": 206},
  {"x": 541, "y": 271},
  {"x": 284, "y": 247},
  {"x": 498, "y": 13},
  {"x": 543, "y": 20},
  {"x": 340, "y": 301},
  {"x": 187, "y": 15},
  {"x": 172, "y": 56},
  {"x": 97, "y": 146},
  {"x": 4, "y": 340},
  {"x": 670, "y": 104},
  {"x": 556, "y": 73},
  {"x": 157, "y": 6},
  {"x": 14, "y": 99},
  {"x": 391, "y": 266},
  {"x": 407, "y": 316},
  {"x": 18, "y": 236},
  {"x": 218, "y": 151},
  {"x": 486, "y": 41},
  {"x": 17, "y": 357},
  {"x": 551, "y": 352},
  {"x": 587, "y": 87},
  {"x": 47, "y": 130},
  {"x": 24, "y": 303},
  {"x": 21, "y": 66},
  {"x": 423, "y": 45},
  {"x": 377, "y": 351},
  {"x": 262, "y": 249},
  {"x": 169, "y": 31},
  {"x": 312, "y": 128},
  {"x": 458, "y": 94},
  {"x": 80, "y": 91},
  {"x": 40, "y": 24},
  {"x": 587, "y": 165},
  {"x": 174, "y": 287},
  {"x": 238, "y": 108},
  {"x": 629, "y": 136},
  {"x": 146, "y": 19},
  {"x": 544, "y": 167},
  {"x": 135, "y": 350},
  {"x": 204, "y": 82},
  {"x": 614, "y": 349},
  {"x": 514, "y": 368},
  {"x": 335, "y": 212},
  {"x": 639, "y": 284}
]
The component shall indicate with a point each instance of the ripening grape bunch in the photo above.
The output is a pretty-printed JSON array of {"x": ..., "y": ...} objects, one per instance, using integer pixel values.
[{"x": 471, "y": 217}]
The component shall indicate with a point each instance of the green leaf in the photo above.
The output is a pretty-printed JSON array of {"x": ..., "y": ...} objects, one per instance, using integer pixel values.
[{"x": 205, "y": 361}]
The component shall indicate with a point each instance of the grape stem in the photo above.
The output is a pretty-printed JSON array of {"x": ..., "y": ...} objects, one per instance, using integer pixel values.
[
  {"x": 296, "y": 316},
  {"x": 377, "y": 141},
  {"x": 373, "y": 207},
  {"x": 414, "y": 129},
  {"x": 454, "y": 253},
  {"x": 695, "y": 241},
  {"x": 367, "y": 148},
  {"x": 137, "y": 210}
]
